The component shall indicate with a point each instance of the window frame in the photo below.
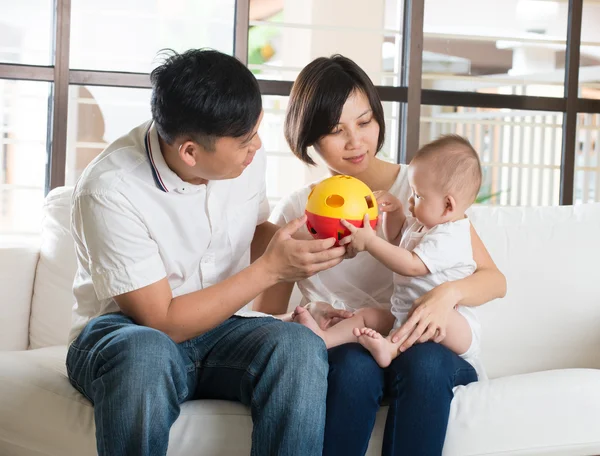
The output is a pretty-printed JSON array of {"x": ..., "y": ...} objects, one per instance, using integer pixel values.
[{"x": 409, "y": 94}]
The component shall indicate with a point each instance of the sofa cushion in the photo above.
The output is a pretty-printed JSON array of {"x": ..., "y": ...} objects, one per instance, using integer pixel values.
[
  {"x": 550, "y": 317},
  {"x": 18, "y": 260},
  {"x": 42, "y": 414},
  {"x": 53, "y": 299},
  {"x": 545, "y": 413}
]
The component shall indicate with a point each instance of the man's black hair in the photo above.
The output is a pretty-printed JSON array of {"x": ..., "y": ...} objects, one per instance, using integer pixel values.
[{"x": 204, "y": 94}]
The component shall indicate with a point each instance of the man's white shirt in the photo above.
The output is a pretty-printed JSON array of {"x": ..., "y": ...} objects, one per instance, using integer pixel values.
[{"x": 135, "y": 222}]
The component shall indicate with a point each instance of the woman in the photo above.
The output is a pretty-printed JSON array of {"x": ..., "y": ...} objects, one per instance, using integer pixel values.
[{"x": 334, "y": 107}]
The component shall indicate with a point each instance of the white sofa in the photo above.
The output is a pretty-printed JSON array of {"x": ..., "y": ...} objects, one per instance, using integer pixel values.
[{"x": 541, "y": 348}]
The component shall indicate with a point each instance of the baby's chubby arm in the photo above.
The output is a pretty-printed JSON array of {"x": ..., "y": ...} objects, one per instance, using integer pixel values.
[
  {"x": 396, "y": 258},
  {"x": 393, "y": 215}
]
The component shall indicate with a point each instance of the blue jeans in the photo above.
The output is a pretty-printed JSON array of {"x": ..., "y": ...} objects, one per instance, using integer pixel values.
[
  {"x": 419, "y": 386},
  {"x": 137, "y": 377}
]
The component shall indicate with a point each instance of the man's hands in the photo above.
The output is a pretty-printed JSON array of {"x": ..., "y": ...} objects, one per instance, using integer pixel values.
[
  {"x": 290, "y": 260},
  {"x": 325, "y": 314},
  {"x": 428, "y": 318}
]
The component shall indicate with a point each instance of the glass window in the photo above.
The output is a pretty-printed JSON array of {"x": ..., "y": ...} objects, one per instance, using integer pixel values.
[
  {"x": 26, "y": 31},
  {"x": 126, "y": 35},
  {"x": 589, "y": 61},
  {"x": 97, "y": 117},
  {"x": 520, "y": 151},
  {"x": 23, "y": 154},
  {"x": 587, "y": 163},
  {"x": 494, "y": 46},
  {"x": 285, "y": 173},
  {"x": 283, "y": 39}
]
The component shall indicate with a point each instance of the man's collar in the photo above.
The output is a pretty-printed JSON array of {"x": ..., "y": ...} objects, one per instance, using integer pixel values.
[{"x": 164, "y": 177}]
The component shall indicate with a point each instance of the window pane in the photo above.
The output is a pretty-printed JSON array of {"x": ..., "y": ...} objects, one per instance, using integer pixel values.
[
  {"x": 126, "y": 35},
  {"x": 282, "y": 40},
  {"x": 589, "y": 71},
  {"x": 587, "y": 164},
  {"x": 285, "y": 173},
  {"x": 494, "y": 46},
  {"x": 23, "y": 156},
  {"x": 98, "y": 116},
  {"x": 26, "y": 31},
  {"x": 520, "y": 151}
]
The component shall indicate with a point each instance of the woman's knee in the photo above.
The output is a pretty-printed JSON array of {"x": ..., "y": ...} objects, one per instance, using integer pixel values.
[
  {"x": 429, "y": 365},
  {"x": 353, "y": 366}
]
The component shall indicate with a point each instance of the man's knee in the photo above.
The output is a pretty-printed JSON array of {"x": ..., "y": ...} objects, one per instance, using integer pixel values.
[
  {"x": 142, "y": 342},
  {"x": 301, "y": 342},
  {"x": 298, "y": 346},
  {"x": 143, "y": 353}
]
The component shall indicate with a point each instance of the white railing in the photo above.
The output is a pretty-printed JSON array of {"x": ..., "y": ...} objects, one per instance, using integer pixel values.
[{"x": 521, "y": 152}]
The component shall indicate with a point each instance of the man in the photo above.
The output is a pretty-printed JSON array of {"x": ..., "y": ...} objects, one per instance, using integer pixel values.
[{"x": 166, "y": 222}]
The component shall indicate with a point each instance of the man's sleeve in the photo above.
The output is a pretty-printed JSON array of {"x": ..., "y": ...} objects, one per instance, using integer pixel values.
[
  {"x": 445, "y": 247},
  {"x": 114, "y": 240}
]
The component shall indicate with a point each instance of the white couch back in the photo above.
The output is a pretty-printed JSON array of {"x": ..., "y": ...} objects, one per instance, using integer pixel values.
[{"x": 549, "y": 319}]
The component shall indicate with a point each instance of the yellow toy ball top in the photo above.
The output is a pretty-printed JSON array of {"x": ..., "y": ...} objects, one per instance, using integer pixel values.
[{"x": 342, "y": 197}]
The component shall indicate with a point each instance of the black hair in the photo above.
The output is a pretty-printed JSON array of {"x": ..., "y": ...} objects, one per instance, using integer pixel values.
[
  {"x": 204, "y": 94},
  {"x": 317, "y": 98}
]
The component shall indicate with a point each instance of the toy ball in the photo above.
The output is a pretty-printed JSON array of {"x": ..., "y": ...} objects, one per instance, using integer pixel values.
[{"x": 335, "y": 198}]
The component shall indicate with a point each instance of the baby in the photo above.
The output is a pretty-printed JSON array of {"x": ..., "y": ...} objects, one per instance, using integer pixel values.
[{"x": 425, "y": 250}]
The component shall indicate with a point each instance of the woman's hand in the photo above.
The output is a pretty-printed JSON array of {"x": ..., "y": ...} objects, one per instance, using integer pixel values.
[
  {"x": 325, "y": 314},
  {"x": 428, "y": 318}
]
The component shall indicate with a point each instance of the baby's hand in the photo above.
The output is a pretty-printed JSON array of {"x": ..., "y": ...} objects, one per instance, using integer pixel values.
[
  {"x": 359, "y": 237},
  {"x": 387, "y": 202}
]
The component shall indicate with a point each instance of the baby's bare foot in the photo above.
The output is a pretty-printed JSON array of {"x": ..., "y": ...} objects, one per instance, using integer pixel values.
[
  {"x": 380, "y": 348},
  {"x": 303, "y": 317}
]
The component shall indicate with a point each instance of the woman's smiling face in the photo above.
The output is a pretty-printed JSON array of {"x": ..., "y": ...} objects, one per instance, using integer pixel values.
[{"x": 352, "y": 144}]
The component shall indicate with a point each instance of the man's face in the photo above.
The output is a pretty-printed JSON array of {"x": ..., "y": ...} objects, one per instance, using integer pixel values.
[{"x": 229, "y": 157}]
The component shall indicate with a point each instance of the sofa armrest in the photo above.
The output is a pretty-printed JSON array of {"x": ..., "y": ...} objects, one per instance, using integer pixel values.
[{"x": 18, "y": 261}]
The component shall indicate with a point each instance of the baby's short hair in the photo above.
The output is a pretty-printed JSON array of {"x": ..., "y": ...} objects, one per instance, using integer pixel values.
[{"x": 455, "y": 165}]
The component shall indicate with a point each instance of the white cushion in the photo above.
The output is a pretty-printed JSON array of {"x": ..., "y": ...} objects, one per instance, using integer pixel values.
[
  {"x": 550, "y": 318},
  {"x": 553, "y": 412},
  {"x": 546, "y": 413},
  {"x": 42, "y": 414},
  {"x": 17, "y": 271},
  {"x": 53, "y": 296}
]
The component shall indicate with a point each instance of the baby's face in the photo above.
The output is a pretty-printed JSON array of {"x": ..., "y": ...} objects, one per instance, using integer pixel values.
[{"x": 427, "y": 203}]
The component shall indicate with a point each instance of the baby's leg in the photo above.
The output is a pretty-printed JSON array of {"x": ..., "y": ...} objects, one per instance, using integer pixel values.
[
  {"x": 377, "y": 323},
  {"x": 381, "y": 348},
  {"x": 458, "y": 333},
  {"x": 343, "y": 332}
]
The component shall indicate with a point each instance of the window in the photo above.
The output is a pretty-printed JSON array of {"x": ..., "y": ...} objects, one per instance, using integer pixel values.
[
  {"x": 518, "y": 49},
  {"x": 98, "y": 116},
  {"x": 139, "y": 29},
  {"x": 495, "y": 72},
  {"x": 519, "y": 150},
  {"x": 589, "y": 60},
  {"x": 282, "y": 43},
  {"x": 587, "y": 164},
  {"x": 23, "y": 154},
  {"x": 26, "y": 31}
]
